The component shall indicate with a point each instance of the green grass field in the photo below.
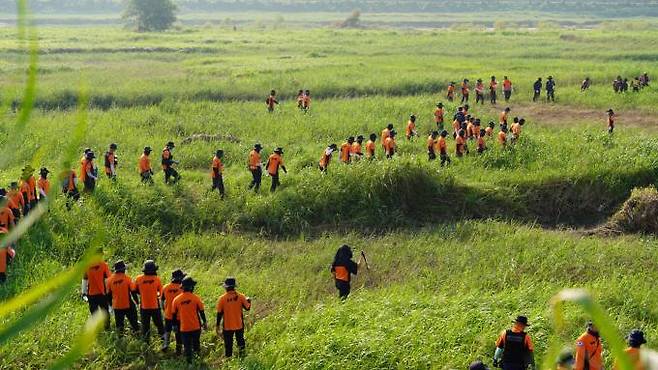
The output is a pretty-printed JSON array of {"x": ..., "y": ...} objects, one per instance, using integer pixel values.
[{"x": 456, "y": 252}]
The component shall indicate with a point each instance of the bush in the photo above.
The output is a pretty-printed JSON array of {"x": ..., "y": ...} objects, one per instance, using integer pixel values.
[{"x": 150, "y": 15}]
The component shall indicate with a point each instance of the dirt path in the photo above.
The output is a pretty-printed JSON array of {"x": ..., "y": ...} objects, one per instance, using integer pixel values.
[{"x": 564, "y": 115}]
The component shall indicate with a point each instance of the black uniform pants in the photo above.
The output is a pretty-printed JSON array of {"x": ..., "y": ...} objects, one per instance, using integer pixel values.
[
  {"x": 218, "y": 183},
  {"x": 169, "y": 327},
  {"x": 343, "y": 288},
  {"x": 99, "y": 302},
  {"x": 257, "y": 175},
  {"x": 536, "y": 95},
  {"x": 507, "y": 94},
  {"x": 90, "y": 184},
  {"x": 191, "y": 343},
  {"x": 550, "y": 95},
  {"x": 170, "y": 172},
  {"x": 275, "y": 182},
  {"x": 121, "y": 314},
  {"x": 444, "y": 159},
  {"x": 479, "y": 98},
  {"x": 228, "y": 341},
  {"x": 147, "y": 316}
]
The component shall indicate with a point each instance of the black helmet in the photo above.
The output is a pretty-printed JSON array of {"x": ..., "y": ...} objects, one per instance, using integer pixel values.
[
  {"x": 177, "y": 274},
  {"x": 90, "y": 155},
  {"x": 219, "y": 153},
  {"x": 188, "y": 283},
  {"x": 636, "y": 338},
  {"x": 147, "y": 149},
  {"x": 350, "y": 139},
  {"x": 230, "y": 283},
  {"x": 258, "y": 146},
  {"x": 389, "y": 126},
  {"x": 150, "y": 267},
  {"x": 412, "y": 117},
  {"x": 171, "y": 144},
  {"x": 120, "y": 266},
  {"x": 44, "y": 171},
  {"x": 113, "y": 146},
  {"x": 444, "y": 133},
  {"x": 278, "y": 150},
  {"x": 359, "y": 138}
]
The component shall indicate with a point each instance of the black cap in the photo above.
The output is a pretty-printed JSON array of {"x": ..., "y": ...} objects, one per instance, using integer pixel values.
[
  {"x": 150, "y": 266},
  {"x": 188, "y": 282},
  {"x": 177, "y": 274},
  {"x": 147, "y": 149},
  {"x": 219, "y": 153},
  {"x": 522, "y": 320},
  {"x": 229, "y": 283},
  {"x": 636, "y": 338},
  {"x": 440, "y": 105},
  {"x": 171, "y": 144},
  {"x": 360, "y": 137},
  {"x": 477, "y": 365},
  {"x": 90, "y": 155},
  {"x": 278, "y": 150},
  {"x": 610, "y": 111},
  {"x": 44, "y": 170},
  {"x": 119, "y": 266},
  {"x": 113, "y": 146},
  {"x": 258, "y": 146}
]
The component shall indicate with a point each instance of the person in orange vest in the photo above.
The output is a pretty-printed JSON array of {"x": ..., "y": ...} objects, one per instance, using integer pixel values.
[
  {"x": 504, "y": 116},
  {"x": 28, "y": 189},
  {"x": 460, "y": 144},
  {"x": 502, "y": 136},
  {"x": 465, "y": 91},
  {"x": 507, "y": 88},
  {"x": 271, "y": 101},
  {"x": 255, "y": 167},
  {"x": 16, "y": 199},
  {"x": 516, "y": 128},
  {"x": 111, "y": 162},
  {"x": 168, "y": 163},
  {"x": 88, "y": 172},
  {"x": 7, "y": 219},
  {"x": 565, "y": 361},
  {"x": 514, "y": 347},
  {"x": 70, "y": 188},
  {"x": 635, "y": 341},
  {"x": 410, "y": 130},
  {"x": 589, "y": 349},
  {"x": 443, "y": 148},
  {"x": 326, "y": 157},
  {"x": 94, "y": 288},
  {"x": 356, "y": 151},
  {"x": 451, "y": 92},
  {"x": 370, "y": 147},
  {"x": 346, "y": 150},
  {"x": 386, "y": 132},
  {"x": 389, "y": 145},
  {"x": 490, "y": 129},
  {"x": 300, "y": 99},
  {"x": 43, "y": 184},
  {"x": 120, "y": 289},
  {"x": 188, "y": 308},
  {"x": 431, "y": 145},
  {"x": 7, "y": 255},
  {"x": 493, "y": 90},
  {"x": 149, "y": 288},
  {"x": 439, "y": 113},
  {"x": 343, "y": 268},
  {"x": 230, "y": 307},
  {"x": 482, "y": 145},
  {"x": 306, "y": 101},
  {"x": 217, "y": 169},
  {"x": 611, "y": 120},
  {"x": 479, "y": 91},
  {"x": 169, "y": 292},
  {"x": 470, "y": 129},
  {"x": 274, "y": 162},
  {"x": 145, "y": 170}
]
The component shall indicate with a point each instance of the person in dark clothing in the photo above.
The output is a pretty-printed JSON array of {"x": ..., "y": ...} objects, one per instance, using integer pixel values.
[
  {"x": 343, "y": 268},
  {"x": 168, "y": 163},
  {"x": 514, "y": 348},
  {"x": 537, "y": 88}
]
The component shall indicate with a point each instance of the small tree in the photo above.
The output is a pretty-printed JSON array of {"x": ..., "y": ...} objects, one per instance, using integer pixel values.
[{"x": 150, "y": 15}]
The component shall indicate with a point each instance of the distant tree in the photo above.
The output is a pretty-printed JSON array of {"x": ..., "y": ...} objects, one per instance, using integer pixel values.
[{"x": 150, "y": 15}]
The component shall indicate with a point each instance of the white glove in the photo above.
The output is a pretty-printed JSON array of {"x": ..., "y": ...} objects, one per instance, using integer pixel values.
[{"x": 84, "y": 287}]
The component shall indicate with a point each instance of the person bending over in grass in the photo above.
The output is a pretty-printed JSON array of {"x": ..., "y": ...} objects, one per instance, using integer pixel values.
[
  {"x": 389, "y": 145},
  {"x": 635, "y": 341},
  {"x": 168, "y": 163},
  {"x": 230, "y": 308},
  {"x": 274, "y": 162},
  {"x": 356, "y": 150},
  {"x": 271, "y": 101},
  {"x": 431, "y": 145},
  {"x": 410, "y": 131},
  {"x": 514, "y": 348},
  {"x": 611, "y": 121},
  {"x": 343, "y": 268},
  {"x": 188, "y": 308},
  {"x": 217, "y": 173},
  {"x": 370, "y": 147},
  {"x": 326, "y": 157}
]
